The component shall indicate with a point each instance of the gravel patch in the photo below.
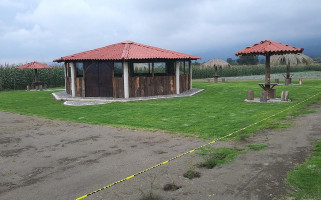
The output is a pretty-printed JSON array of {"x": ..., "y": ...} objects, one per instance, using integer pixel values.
[{"x": 84, "y": 101}]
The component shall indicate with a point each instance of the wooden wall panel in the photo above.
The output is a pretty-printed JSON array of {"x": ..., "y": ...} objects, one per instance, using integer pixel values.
[
  {"x": 138, "y": 86},
  {"x": 184, "y": 81},
  {"x": 80, "y": 87},
  {"x": 151, "y": 86},
  {"x": 118, "y": 87},
  {"x": 68, "y": 85}
]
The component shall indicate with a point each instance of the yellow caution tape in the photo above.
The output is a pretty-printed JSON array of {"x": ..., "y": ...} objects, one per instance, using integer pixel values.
[{"x": 191, "y": 151}]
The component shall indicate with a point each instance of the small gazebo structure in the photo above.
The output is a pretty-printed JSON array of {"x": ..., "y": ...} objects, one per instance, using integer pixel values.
[
  {"x": 127, "y": 69},
  {"x": 35, "y": 65},
  {"x": 216, "y": 63},
  {"x": 290, "y": 59},
  {"x": 268, "y": 48}
]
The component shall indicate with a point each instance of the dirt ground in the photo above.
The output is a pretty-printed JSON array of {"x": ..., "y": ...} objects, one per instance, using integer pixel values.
[{"x": 49, "y": 159}]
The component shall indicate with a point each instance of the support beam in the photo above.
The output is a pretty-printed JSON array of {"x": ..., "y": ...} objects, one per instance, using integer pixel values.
[
  {"x": 177, "y": 76},
  {"x": 73, "y": 78},
  {"x": 190, "y": 73},
  {"x": 267, "y": 71},
  {"x": 65, "y": 72},
  {"x": 126, "y": 83}
]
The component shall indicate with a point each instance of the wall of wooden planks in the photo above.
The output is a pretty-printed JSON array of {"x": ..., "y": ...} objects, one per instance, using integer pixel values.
[
  {"x": 68, "y": 85},
  {"x": 141, "y": 86},
  {"x": 80, "y": 87},
  {"x": 118, "y": 87},
  {"x": 184, "y": 82}
]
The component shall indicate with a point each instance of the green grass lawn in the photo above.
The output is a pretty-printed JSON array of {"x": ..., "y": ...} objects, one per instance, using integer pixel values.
[
  {"x": 306, "y": 178},
  {"x": 218, "y": 110}
]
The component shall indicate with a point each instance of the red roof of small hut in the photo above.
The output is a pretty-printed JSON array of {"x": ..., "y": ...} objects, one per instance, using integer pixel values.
[
  {"x": 126, "y": 50},
  {"x": 34, "y": 65},
  {"x": 268, "y": 46}
]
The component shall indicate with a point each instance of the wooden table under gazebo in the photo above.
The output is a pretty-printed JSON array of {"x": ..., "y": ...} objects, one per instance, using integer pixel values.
[
  {"x": 268, "y": 48},
  {"x": 127, "y": 69}
]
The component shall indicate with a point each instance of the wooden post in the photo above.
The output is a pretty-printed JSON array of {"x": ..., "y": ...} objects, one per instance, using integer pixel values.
[
  {"x": 215, "y": 79},
  {"x": 177, "y": 76},
  {"x": 300, "y": 81},
  {"x": 153, "y": 70},
  {"x": 215, "y": 71},
  {"x": 288, "y": 81},
  {"x": 40, "y": 87},
  {"x": 28, "y": 88},
  {"x": 190, "y": 73},
  {"x": 277, "y": 80},
  {"x": 284, "y": 95},
  {"x": 66, "y": 74},
  {"x": 223, "y": 80},
  {"x": 208, "y": 80},
  {"x": 126, "y": 82},
  {"x": 250, "y": 95},
  {"x": 263, "y": 96},
  {"x": 288, "y": 71},
  {"x": 267, "y": 71}
]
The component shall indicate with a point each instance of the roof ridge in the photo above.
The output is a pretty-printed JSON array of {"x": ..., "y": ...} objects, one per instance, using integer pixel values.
[
  {"x": 159, "y": 49},
  {"x": 125, "y": 53}
]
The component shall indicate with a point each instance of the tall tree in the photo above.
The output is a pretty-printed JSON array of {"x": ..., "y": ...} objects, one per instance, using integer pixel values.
[
  {"x": 231, "y": 61},
  {"x": 248, "y": 60}
]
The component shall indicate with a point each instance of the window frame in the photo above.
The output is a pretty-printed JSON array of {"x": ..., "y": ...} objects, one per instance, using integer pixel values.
[
  {"x": 78, "y": 70},
  {"x": 122, "y": 70},
  {"x": 160, "y": 73}
]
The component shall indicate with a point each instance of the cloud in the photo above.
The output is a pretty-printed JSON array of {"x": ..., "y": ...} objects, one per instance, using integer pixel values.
[
  {"x": 28, "y": 37},
  {"x": 8, "y": 3},
  {"x": 209, "y": 27}
]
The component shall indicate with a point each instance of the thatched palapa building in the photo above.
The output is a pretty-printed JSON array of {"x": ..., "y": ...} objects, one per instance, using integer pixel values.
[
  {"x": 127, "y": 69},
  {"x": 290, "y": 59}
]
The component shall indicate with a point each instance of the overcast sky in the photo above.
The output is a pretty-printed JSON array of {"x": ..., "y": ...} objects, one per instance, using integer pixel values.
[{"x": 43, "y": 30}]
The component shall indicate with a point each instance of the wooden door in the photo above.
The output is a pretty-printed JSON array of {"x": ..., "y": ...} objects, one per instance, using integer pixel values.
[
  {"x": 98, "y": 79},
  {"x": 105, "y": 79}
]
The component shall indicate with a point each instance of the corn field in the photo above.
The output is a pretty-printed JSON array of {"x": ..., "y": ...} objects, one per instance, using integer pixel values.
[
  {"x": 12, "y": 78},
  {"x": 239, "y": 70}
]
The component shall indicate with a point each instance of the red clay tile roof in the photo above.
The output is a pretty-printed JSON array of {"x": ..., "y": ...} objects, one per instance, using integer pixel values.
[
  {"x": 126, "y": 50},
  {"x": 34, "y": 65},
  {"x": 269, "y": 46}
]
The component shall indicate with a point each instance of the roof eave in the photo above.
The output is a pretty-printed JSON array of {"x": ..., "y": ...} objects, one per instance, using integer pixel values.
[
  {"x": 127, "y": 59},
  {"x": 269, "y": 52}
]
